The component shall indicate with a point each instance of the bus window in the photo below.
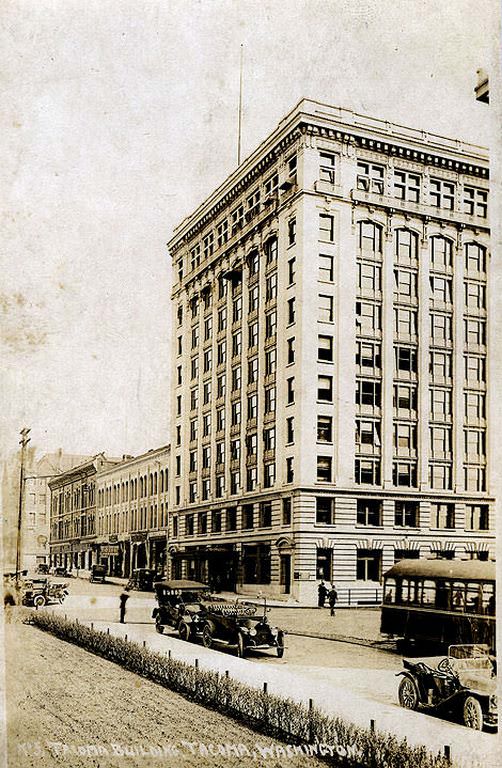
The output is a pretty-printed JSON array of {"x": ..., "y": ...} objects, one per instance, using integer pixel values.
[
  {"x": 489, "y": 599},
  {"x": 458, "y": 596},
  {"x": 428, "y": 593},
  {"x": 474, "y": 600},
  {"x": 442, "y": 595},
  {"x": 390, "y": 591}
]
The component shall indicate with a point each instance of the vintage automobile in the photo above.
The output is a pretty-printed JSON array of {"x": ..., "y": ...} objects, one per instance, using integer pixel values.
[
  {"x": 462, "y": 684},
  {"x": 237, "y": 626},
  {"x": 98, "y": 573},
  {"x": 142, "y": 579},
  {"x": 181, "y": 606},
  {"x": 42, "y": 569},
  {"x": 40, "y": 592}
]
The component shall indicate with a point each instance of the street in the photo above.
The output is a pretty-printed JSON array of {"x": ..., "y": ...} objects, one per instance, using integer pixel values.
[{"x": 345, "y": 679}]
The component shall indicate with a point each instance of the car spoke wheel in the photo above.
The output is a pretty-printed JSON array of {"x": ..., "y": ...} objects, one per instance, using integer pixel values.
[
  {"x": 241, "y": 648},
  {"x": 408, "y": 693},
  {"x": 473, "y": 714},
  {"x": 158, "y": 626},
  {"x": 39, "y": 601},
  {"x": 184, "y": 631},
  {"x": 207, "y": 637}
]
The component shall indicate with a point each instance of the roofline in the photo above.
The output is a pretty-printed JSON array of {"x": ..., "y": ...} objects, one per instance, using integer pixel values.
[
  {"x": 122, "y": 464},
  {"x": 80, "y": 467},
  {"x": 346, "y": 120}
]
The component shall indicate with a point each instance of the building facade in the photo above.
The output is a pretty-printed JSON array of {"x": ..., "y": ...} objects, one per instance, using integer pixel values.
[
  {"x": 73, "y": 514},
  {"x": 132, "y": 513},
  {"x": 331, "y": 345}
]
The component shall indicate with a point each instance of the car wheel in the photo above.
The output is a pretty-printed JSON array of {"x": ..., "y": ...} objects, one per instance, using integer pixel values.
[
  {"x": 241, "y": 648},
  {"x": 184, "y": 631},
  {"x": 473, "y": 714},
  {"x": 207, "y": 637},
  {"x": 39, "y": 601},
  {"x": 408, "y": 693},
  {"x": 280, "y": 646},
  {"x": 159, "y": 626}
]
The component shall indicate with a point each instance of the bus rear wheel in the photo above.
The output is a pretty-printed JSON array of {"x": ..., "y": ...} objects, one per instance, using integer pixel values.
[{"x": 408, "y": 693}]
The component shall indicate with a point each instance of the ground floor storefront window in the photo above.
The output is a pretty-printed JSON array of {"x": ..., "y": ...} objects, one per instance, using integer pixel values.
[
  {"x": 368, "y": 564},
  {"x": 324, "y": 564},
  {"x": 256, "y": 564}
]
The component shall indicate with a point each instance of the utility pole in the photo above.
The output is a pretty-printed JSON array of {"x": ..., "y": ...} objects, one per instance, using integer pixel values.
[{"x": 23, "y": 443}]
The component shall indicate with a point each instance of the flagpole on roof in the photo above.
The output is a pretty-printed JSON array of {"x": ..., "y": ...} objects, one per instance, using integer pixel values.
[{"x": 239, "y": 131}]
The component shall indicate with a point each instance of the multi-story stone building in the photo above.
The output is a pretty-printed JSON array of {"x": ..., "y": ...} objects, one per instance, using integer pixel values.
[
  {"x": 132, "y": 513},
  {"x": 330, "y": 401},
  {"x": 73, "y": 514}
]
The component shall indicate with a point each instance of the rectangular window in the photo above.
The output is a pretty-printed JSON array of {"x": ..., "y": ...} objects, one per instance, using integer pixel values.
[
  {"x": 405, "y": 359},
  {"x": 440, "y": 476},
  {"x": 206, "y": 457},
  {"x": 442, "y": 515},
  {"x": 440, "y": 366},
  {"x": 253, "y": 335},
  {"x": 235, "y": 482},
  {"x": 270, "y": 362},
  {"x": 368, "y": 564},
  {"x": 269, "y": 474},
  {"x": 222, "y": 319},
  {"x": 325, "y": 389},
  {"x": 291, "y": 311},
  {"x": 253, "y": 370},
  {"x": 189, "y": 525},
  {"x": 326, "y": 308},
  {"x": 206, "y": 425},
  {"x": 474, "y": 444},
  {"x": 237, "y": 218},
  {"x": 324, "y": 561},
  {"x": 208, "y": 328},
  {"x": 324, "y": 429},
  {"x": 222, "y": 352},
  {"x": 290, "y": 431},
  {"x": 237, "y": 309},
  {"x": 475, "y": 202},
  {"x": 286, "y": 511},
  {"x": 271, "y": 287},
  {"x": 269, "y": 439},
  {"x": 407, "y": 186},
  {"x": 271, "y": 184},
  {"x": 405, "y": 284},
  {"x": 367, "y": 436},
  {"x": 368, "y": 317},
  {"x": 208, "y": 243},
  {"x": 291, "y": 270},
  {"x": 194, "y": 367},
  {"x": 327, "y": 167},
  {"x": 324, "y": 510},
  {"x": 477, "y": 517},
  {"x": 475, "y": 332},
  {"x": 406, "y": 247},
  {"x": 475, "y": 296},
  {"x": 406, "y": 513},
  {"x": 220, "y": 485},
  {"x": 251, "y": 478},
  {"x": 231, "y": 519},
  {"x": 440, "y": 404},
  {"x": 271, "y": 247},
  {"x": 474, "y": 406},
  {"x": 270, "y": 324},
  {"x": 221, "y": 385},
  {"x": 207, "y": 360},
  {"x": 441, "y": 330},
  {"x": 474, "y": 368},
  {"x": 265, "y": 514},
  {"x": 269, "y": 399},
  {"x": 405, "y": 322},
  {"x": 441, "y": 289},
  {"x": 440, "y": 442},
  {"x": 324, "y": 468},
  {"x": 369, "y": 277},
  {"x": 326, "y": 228},
  {"x": 369, "y": 512},
  {"x": 202, "y": 522},
  {"x": 474, "y": 478},
  {"x": 290, "y": 390},
  {"x": 236, "y": 378},
  {"x": 220, "y": 419},
  {"x": 236, "y": 413},
  {"x": 475, "y": 259},
  {"x": 195, "y": 256},
  {"x": 441, "y": 254},
  {"x": 248, "y": 516},
  {"x": 370, "y": 177},
  {"x": 253, "y": 299},
  {"x": 291, "y": 350},
  {"x": 442, "y": 194},
  {"x": 222, "y": 233},
  {"x": 236, "y": 344},
  {"x": 325, "y": 348},
  {"x": 326, "y": 268},
  {"x": 291, "y": 231},
  {"x": 404, "y": 474},
  {"x": 290, "y": 472},
  {"x": 368, "y": 356},
  {"x": 252, "y": 406},
  {"x": 368, "y": 392}
]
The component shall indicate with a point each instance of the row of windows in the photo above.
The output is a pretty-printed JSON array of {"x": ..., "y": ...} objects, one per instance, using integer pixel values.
[
  {"x": 406, "y": 514},
  {"x": 253, "y": 516},
  {"x": 407, "y": 185},
  {"x": 148, "y": 485},
  {"x": 144, "y": 518}
]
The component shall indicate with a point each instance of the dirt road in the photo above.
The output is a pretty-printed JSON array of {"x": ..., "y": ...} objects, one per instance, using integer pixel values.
[{"x": 69, "y": 708}]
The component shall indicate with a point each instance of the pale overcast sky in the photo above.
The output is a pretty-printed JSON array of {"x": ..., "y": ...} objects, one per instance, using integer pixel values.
[{"x": 118, "y": 118}]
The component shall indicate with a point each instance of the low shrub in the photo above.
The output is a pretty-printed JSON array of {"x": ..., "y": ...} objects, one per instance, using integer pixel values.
[{"x": 336, "y": 741}]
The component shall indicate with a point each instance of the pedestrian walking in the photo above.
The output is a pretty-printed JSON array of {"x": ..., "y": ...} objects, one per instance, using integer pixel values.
[
  {"x": 332, "y": 598},
  {"x": 124, "y": 597},
  {"x": 321, "y": 594}
]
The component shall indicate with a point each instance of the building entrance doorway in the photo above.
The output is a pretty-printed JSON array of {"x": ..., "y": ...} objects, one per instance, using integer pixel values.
[{"x": 285, "y": 575}]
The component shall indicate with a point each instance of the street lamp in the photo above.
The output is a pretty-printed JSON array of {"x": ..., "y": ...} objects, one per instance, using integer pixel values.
[{"x": 23, "y": 443}]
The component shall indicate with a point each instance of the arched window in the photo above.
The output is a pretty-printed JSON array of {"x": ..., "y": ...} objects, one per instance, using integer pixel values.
[
  {"x": 406, "y": 246},
  {"x": 370, "y": 237},
  {"x": 441, "y": 251}
]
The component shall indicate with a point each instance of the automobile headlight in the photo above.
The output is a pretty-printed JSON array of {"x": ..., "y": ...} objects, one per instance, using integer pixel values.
[
  {"x": 274, "y": 631},
  {"x": 252, "y": 631},
  {"x": 244, "y": 629}
]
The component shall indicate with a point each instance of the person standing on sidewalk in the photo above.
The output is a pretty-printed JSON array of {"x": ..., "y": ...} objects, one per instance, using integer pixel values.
[
  {"x": 321, "y": 594},
  {"x": 124, "y": 597},
  {"x": 332, "y": 598}
]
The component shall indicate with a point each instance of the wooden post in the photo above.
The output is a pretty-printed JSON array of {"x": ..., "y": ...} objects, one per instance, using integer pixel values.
[
  {"x": 447, "y": 752},
  {"x": 372, "y": 726}
]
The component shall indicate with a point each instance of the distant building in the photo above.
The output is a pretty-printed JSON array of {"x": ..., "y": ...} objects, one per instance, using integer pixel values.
[
  {"x": 36, "y": 509},
  {"x": 132, "y": 513},
  {"x": 73, "y": 514},
  {"x": 331, "y": 346}
]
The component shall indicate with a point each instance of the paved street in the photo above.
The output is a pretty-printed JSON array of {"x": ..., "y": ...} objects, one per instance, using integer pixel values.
[{"x": 324, "y": 670}]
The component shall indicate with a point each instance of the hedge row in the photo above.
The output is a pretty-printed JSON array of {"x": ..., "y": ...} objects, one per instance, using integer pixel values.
[{"x": 337, "y": 742}]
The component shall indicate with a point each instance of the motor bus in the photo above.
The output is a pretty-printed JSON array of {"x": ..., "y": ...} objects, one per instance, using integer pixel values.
[{"x": 441, "y": 602}]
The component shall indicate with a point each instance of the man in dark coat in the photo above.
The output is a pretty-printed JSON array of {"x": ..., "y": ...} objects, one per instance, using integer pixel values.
[
  {"x": 321, "y": 594},
  {"x": 332, "y": 598},
  {"x": 124, "y": 597}
]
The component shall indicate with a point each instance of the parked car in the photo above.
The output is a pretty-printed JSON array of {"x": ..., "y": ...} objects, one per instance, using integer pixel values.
[
  {"x": 142, "y": 579},
  {"x": 40, "y": 592},
  {"x": 59, "y": 570},
  {"x": 463, "y": 684},
  {"x": 181, "y": 606},
  {"x": 98, "y": 573},
  {"x": 238, "y": 626},
  {"x": 42, "y": 568}
]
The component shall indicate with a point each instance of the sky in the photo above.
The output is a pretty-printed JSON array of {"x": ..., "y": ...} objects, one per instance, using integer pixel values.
[{"x": 119, "y": 118}]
